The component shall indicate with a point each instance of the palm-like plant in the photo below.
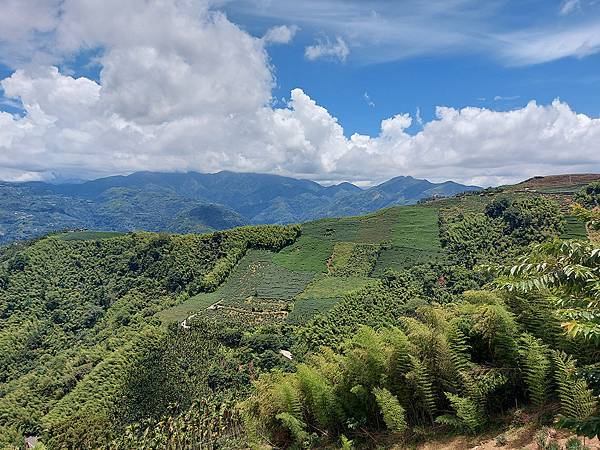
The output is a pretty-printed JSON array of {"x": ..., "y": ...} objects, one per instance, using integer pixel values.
[{"x": 568, "y": 273}]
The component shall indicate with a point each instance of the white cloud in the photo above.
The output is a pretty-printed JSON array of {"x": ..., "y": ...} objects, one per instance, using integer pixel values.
[
  {"x": 327, "y": 49},
  {"x": 368, "y": 100},
  {"x": 282, "y": 34},
  {"x": 568, "y": 6},
  {"x": 22, "y": 22},
  {"x": 378, "y": 32},
  {"x": 418, "y": 117},
  {"x": 186, "y": 89},
  {"x": 501, "y": 98},
  {"x": 540, "y": 46}
]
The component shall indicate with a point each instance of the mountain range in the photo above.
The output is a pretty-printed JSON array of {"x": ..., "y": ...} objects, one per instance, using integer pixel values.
[{"x": 195, "y": 202}]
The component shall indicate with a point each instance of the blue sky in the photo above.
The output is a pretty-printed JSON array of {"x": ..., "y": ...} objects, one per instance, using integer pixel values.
[
  {"x": 331, "y": 90},
  {"x": 429, "y": 81},
  {"x": 458, "y": 77}
]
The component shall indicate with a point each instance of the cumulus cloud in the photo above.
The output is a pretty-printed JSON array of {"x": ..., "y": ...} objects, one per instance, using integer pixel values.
[
  {"x": 280, "y": 35},
  {"x": 183, "y": 88},
  {"x": 327, "y": 49}
]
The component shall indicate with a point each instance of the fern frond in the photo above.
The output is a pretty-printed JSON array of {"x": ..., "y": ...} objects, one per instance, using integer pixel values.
[
  {"x": 296, "y": 427},
  {"x": 535, "y": 366},
  {"x": 576, "y": 399},
  {"x": 393, "y": 413},
  {"x": 422, "y": 382}
]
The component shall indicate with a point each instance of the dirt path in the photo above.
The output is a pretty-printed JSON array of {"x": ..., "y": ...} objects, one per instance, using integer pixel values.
[{"x": 184, "y": 324}]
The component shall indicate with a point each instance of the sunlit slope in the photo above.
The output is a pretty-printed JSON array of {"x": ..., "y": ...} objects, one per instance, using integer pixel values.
[{"x": 331, "y": 258}]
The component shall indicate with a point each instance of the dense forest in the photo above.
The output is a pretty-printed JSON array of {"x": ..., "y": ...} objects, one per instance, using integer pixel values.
[{"x": 458, "y": 316}]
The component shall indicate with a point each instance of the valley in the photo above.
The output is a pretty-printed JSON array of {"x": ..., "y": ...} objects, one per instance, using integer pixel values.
[{"x": 405, "y": 321}]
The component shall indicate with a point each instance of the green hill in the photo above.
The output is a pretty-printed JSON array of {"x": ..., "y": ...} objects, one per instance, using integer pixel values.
[
  {"x": 131, "y": 340},
  {"x": 194, "y": 202}
]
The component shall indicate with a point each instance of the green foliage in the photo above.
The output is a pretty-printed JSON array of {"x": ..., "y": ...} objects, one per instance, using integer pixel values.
[
  {"x": 568, "y": 274},
  {"x": 506, "y": 225},
  {"x": 591, "y": 219},
  {"x": 254, "y": 285},
  {"x": 400, "y": 257},
  {"x": 346, "y": 443},
  {"x": 533, "y": 219},
  {"x": 589, "y": 196},
  {"x": 468, "y": 415},
  {"x": 536, "y": 367},
  {"x": 353, "y": 260},
  {"x": 462, "y": 357},
  {"x": 296, "y": 427},
  {"x": 392, "y": 411},
  {"x": 473, "y": 238},
  {"x": 11, "y": 438},
  {"x": 573, "y": 444},
  {"x": 589, "y": 427},
  {"x": 74, "y": 316},
  {"x": 86, "y": 362},
  {"x": 574, "y": 228},
  {"x": 307, "y": 254},
  {"x": 208, "y": 423},
  {"x": 576, "y": 399},
  {"x": 373, "y": 305}
]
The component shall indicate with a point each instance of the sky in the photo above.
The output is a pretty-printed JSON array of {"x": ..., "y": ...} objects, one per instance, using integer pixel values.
[{"x": 482, "y": 93}]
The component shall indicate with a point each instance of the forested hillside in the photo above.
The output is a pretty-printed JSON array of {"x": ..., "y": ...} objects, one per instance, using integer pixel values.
[
  {"x": 194, "y": 202},
  {"x": 463, "y": 316}
]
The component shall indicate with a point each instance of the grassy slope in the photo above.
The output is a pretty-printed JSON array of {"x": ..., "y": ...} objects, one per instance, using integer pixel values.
[
  {"x": 337, "y": 255},
  {"x": 574, "y": 229},
  {"x": 328, "y": 251}
]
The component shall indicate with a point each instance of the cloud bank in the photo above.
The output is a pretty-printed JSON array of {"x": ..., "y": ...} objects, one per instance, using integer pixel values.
[{"x": 183, "y": 88}]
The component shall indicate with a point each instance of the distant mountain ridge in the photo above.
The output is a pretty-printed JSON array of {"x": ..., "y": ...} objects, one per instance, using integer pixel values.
[{"x": 195, "y": 202}]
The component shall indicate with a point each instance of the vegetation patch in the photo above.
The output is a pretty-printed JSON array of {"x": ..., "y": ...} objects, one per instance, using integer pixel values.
[
  {"x": 180, "y": 312},
  {"x": 574, "y": 228},
  {"x": 306, "y": 308},
  {"x": 397, "y": 258},
  {"x": 327, "y": 286},
  {"x": 254, "y": 285},
  {"x": 353, "y": 260},
  {"x": 322, "y": 294},
  {"x": 307, "y": 254},
  {"x": 417, "y": 227},
  {"x": 87, "y": 235}
]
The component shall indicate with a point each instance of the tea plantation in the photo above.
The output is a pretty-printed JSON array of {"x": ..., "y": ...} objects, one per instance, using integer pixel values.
[{"x": 331, "y": 258}]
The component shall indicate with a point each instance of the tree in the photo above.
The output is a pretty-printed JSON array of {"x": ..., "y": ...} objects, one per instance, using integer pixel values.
[
  {"x": 589, "y": 196},
  {"x": 533, "y": 219},
  {"x": 568, "y": 272}
]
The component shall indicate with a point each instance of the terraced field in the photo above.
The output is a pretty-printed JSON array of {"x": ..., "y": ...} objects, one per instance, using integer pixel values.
[
  {"x": 331, "y": 258},
  {"x": 351, "y": 259},
  {"x": 255, "y": 285},
  {"x": 400, "y": 257},
  {"x": 574, "y": 229}
]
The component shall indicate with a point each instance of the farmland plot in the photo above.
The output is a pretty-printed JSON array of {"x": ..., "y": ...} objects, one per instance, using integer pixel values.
[{"x": 255, "y": 286}]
